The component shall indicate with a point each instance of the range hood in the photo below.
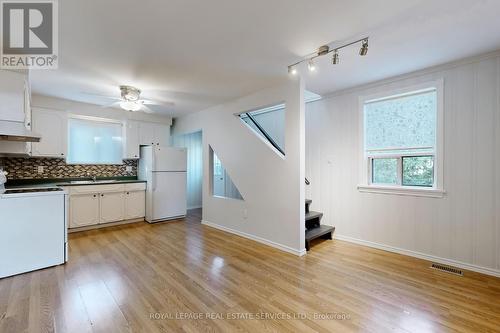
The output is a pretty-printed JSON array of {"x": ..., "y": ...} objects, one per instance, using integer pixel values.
[{"x": 16, "y": 131}]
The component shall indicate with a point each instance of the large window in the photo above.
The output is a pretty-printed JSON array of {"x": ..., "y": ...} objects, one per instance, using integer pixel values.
[
  {"x": 94, "y": 141},
  {"x": 401, "y": 139}
]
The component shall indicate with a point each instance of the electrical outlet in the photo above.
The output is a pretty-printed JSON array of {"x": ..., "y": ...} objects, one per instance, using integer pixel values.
[
  {"x": 245, "y": 213},
  {"x": 128, "y": 168},
  {"x": 39, "y": 169}
]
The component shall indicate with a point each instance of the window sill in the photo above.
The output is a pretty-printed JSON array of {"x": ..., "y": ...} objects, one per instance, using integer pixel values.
[{"x": 399, "y": 190}]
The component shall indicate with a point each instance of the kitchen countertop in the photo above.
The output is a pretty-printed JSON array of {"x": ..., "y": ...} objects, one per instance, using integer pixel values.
[{"x": 30, "y": 183}]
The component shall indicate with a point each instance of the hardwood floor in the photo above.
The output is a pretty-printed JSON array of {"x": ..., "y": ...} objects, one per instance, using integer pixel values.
[{"x": 171, "y": 277}]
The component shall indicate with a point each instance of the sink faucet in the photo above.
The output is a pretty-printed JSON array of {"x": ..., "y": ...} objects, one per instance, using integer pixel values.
[{"x": 94, "y": 178}]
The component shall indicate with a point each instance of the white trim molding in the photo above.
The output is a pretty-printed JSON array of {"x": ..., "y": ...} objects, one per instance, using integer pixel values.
[
  {"x": 459, "y": 264},
  {"x": 257, "y": 239},
  {"x": 399, "y": 190}
]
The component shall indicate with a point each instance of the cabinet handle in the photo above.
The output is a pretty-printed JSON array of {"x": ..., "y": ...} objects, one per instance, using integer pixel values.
[
  {"x": 62, "y": 154},
  {"x": 128, "y": 193},
  {"x": 95, "y": 195},
  {"x": 102, "y": 195}
]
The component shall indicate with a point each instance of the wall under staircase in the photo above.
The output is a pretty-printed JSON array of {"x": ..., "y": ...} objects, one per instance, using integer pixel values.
[{"x": 272, "y": 186}]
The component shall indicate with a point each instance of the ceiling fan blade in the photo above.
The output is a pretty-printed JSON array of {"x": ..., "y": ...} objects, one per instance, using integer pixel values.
[
  {"x": 150, "y": 102},
  {"x": 111, "y": 105},
  {"x": 102, "y": 96},
  {"x": 145, "y": 109}
]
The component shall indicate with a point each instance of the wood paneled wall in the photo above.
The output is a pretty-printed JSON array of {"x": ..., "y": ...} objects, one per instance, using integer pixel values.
[{"x": 463, "y": 228}]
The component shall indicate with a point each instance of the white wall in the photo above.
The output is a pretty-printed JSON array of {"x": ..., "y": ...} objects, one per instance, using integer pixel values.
[
  {"x": 463, "y": 228},
  {"x": 94, "y": 110},
  {"x": 272, "y": 186},
  {"x": 193, "y": 143}
]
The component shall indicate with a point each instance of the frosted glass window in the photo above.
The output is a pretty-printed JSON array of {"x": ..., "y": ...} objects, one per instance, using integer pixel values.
[
  {"x": 400, "y": 138},
  {"x": 401, "y": 122},
  {"x": 94, "y": 142}
]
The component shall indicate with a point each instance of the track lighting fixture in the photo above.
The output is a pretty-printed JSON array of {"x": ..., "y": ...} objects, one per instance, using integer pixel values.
[
  {"x": 335, "y": 58},
  {"x": 324, "y": 50},
  {"x": 364, "y": 48}
]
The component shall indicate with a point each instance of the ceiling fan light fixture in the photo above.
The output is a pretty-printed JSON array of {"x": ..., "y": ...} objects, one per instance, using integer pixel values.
[
  {"x": 130, "y": 93},
  {"x": 130, "y": 105}
]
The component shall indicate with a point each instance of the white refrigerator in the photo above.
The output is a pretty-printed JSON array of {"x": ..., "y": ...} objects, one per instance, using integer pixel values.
[{"x": 164, "y": 170}]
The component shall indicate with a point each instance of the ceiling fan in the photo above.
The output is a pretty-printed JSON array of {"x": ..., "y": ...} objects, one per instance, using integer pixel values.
[{"x": 130, "y": 100}]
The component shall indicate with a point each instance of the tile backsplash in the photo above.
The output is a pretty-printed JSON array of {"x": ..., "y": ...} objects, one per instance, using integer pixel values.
[{"x": 27, "y": 168}]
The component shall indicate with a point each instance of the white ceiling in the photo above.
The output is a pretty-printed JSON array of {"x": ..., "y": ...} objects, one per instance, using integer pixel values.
[{"x": 202, "y": 53}]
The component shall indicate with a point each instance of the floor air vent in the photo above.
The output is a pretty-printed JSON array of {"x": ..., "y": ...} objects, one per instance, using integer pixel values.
[{"x": 448, "y": 269}]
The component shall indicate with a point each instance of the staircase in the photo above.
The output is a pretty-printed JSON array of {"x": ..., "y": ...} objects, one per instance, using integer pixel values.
[{"x": 314, "y": 229}]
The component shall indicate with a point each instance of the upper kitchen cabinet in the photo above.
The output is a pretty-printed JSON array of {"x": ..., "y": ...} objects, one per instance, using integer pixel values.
[
  {"x": 52, "y": 125},
  {"x": 162, "y": 134},
  {"x": 131, "y": 150},
  {"x": 153, "y": 134},
  {"x": 13, "y": 91}
]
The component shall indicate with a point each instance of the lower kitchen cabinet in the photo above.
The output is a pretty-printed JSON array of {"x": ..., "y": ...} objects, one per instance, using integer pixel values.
[
  {"x": 99, "y": 204},
  {"x": 112, "y": 207},
  {"x": 84, "y": 210},
  {"x": 135, "y": 204}
]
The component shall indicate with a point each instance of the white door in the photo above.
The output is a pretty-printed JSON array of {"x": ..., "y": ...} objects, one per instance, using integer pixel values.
[
  {"x": 135, "y": 204},
  {"x": 169, "y": 194},
  {"x": 132, "y": 140},
  {"x": 112, "y": 207},
  {"x": 169, "y": 159},
  {"x": 84, "y": 210},
  {"x": 52, "y": 126}
]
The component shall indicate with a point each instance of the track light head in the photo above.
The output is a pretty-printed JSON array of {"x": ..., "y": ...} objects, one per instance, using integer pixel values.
[
  {"x": 292, "y": 70},
  {"x": 311, "y": 65},
  {"x": 335, "y": 58},
  {"x": 364, "y": 48}
]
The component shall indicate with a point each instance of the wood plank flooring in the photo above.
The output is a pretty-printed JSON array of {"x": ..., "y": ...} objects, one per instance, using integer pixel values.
[{"x": 185, "y": 277}]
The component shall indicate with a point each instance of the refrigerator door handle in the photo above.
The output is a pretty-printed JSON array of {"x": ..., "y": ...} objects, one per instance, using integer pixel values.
[{"x": 153, "y": 182}]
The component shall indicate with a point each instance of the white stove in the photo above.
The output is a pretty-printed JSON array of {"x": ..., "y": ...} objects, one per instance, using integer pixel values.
[{"x": 33, "y": 229}]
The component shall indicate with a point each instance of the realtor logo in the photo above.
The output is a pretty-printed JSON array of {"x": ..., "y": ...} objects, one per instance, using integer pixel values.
[{"x": 29, "y": 34}]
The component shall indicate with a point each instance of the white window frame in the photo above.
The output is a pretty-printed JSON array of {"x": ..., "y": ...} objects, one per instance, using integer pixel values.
[{"x": 437, "y": 190}]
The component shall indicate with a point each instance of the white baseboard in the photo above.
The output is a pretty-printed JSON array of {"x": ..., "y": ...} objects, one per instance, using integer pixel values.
[
  {"x": 256, "y": 238},
  {"x": 194, "y": 207},
  {"x": 450, "y": 262}
]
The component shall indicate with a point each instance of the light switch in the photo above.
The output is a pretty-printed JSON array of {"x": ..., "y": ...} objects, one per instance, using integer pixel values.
[
  {"x": 128, "y": 168},
  {"x": 40, "y": 169}
]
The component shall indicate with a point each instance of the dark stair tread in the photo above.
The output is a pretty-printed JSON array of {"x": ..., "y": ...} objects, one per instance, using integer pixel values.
[
  {"x": 318, "y": 232},
  {"x": 313, "y": 215}
]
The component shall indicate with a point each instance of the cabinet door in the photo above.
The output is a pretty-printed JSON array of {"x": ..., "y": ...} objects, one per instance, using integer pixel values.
[
  {"x": 162, "y": 135},
  {"x": 83, "y": 210},
  {"x": 52, "y": 126},
  {"x": 146, "y": 134},
  {"x": 112, "y": 207},
  {"x": 135, "y": 204},
  {"x": 12, "y": 89},
  {"x": 132, "y": 140}
]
